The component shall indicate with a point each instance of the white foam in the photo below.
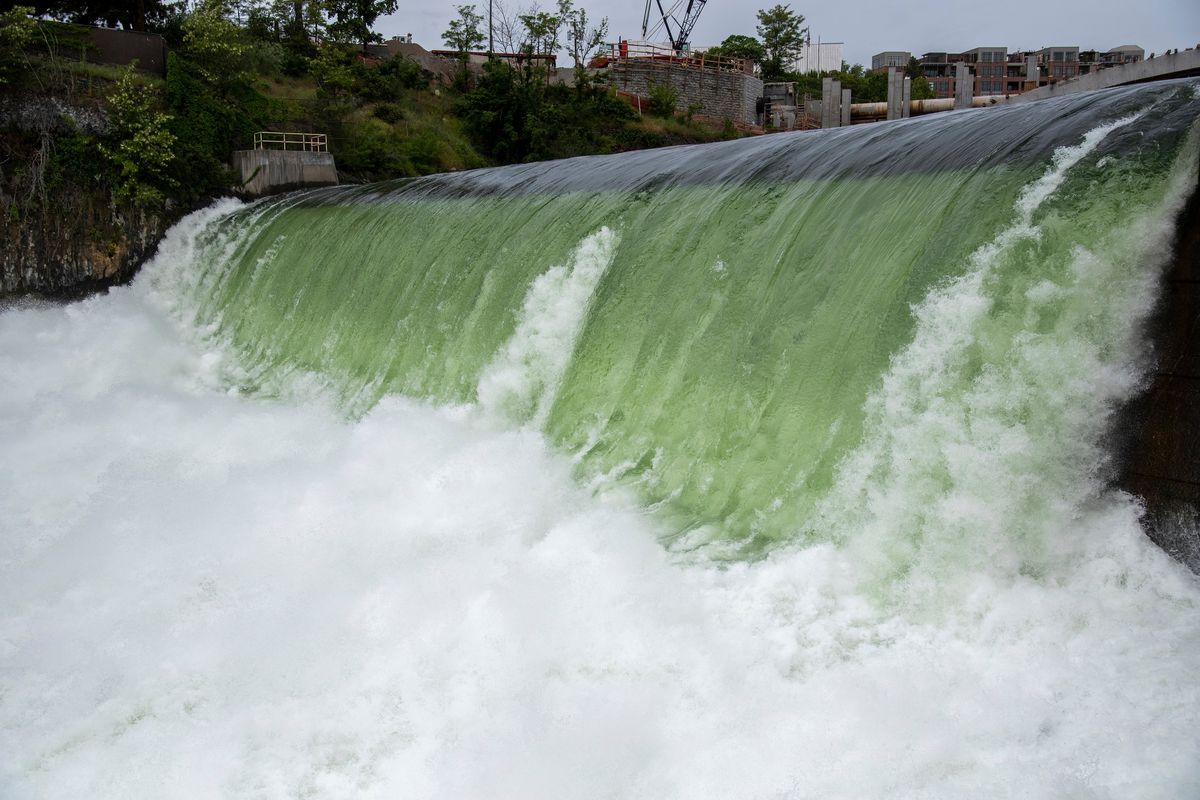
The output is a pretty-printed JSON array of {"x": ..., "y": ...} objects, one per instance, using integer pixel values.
[
  {"x": 203, "y": 595},
  {"x": 520, "y": 383},
  {"x": 983, "y": 443}
]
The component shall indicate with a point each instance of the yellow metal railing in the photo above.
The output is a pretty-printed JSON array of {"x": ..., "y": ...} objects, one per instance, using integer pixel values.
[{"x": 280, "y": 140}]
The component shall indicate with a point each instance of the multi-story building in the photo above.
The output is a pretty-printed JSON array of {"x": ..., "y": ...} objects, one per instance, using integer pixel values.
[
  {"x": 996, "y": 71},
  {"x": 890, "y": 58},
  {"x": 1060, "y": 63},
  {"x": 938, "y": 68},
  {"x": 1016, "y": 73},
  {"x": 990, "y": 68}
]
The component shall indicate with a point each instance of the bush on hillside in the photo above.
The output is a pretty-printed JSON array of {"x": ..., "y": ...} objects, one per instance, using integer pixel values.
[{"x": 663, "y": 98}]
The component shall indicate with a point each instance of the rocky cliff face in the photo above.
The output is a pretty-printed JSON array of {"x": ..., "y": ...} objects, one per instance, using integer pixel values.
[
  {"x": 84, "y": 242},
  {"x": 62, "y": 237},
  {"x": 1162, "y": 463}
]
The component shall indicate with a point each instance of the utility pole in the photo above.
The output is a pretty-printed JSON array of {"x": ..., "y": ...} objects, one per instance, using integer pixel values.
[{"x": 491, "y": 44}]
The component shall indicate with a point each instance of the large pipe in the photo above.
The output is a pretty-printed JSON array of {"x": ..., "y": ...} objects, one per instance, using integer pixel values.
[{"x": 865, "y": 111}]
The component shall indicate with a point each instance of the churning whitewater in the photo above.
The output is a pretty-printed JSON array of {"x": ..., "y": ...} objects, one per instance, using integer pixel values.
[{"x": 617, "y": 484}]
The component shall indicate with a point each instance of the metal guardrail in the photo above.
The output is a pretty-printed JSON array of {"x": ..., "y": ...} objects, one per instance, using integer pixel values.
[
  {"x": 280, "y": 140},
  {"x": 643, "y": 52}
]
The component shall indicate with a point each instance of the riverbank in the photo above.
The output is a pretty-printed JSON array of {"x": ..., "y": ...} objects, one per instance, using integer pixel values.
[{"x": 97, "y": 161}]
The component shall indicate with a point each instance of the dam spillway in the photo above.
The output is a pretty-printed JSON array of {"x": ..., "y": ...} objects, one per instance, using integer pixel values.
[
  {"x": 773, "y": 465},
  {"x": 746, "y": 295}
]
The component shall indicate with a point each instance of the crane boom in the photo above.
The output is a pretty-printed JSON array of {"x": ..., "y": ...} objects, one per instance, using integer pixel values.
[
  {"x": 690, "y": 16},
  {"x": 668, "y": 21}
]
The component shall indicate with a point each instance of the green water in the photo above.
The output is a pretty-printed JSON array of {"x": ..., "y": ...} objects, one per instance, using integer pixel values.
[{"x": 718, "y": 348}]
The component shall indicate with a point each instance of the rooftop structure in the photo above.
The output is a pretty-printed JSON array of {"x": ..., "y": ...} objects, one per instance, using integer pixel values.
[{"x": 890, "y": 58}]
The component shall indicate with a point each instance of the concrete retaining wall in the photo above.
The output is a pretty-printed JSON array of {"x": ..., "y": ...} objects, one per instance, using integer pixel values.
[
  {"x": 720, "y": 94},
  {"x": 268, "y": 171},
  {"x": 112, "y": 46}
]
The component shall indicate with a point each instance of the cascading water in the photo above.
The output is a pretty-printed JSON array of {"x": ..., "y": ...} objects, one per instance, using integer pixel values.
[{"x": 364, "y": 492}]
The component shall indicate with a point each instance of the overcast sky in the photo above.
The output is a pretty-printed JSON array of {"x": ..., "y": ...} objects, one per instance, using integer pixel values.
[{"x": 870, "y": 26}]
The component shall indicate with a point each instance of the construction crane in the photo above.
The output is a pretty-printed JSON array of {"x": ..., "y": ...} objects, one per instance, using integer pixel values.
[{"x": 669, "y": 18}]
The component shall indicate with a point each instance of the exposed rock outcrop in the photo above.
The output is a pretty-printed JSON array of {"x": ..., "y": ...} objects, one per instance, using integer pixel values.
[
  {"x": 1162, "y": 463},
  {"x": 62, "y": 237}
]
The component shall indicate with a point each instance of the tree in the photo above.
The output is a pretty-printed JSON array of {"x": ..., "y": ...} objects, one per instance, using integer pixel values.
[
  {"x": 465, "y": 33},
  {"x": 16, "y": 29},
  {"x": 505, "y": 26},
  {"x": 215, "y": 45},
  {"x": 782, "y": 37},
  {"x": 541, "y": 33},
  {"x": 299, "y": 22},
  {"x": 143, "y": 145},
  {"x": 739, "y": 46},
  {"x": 132, "y": 14},
  {"x": 354, "y": 19},
  {"x": 540, "y": 39},
  {"x": 921, "y": 88},
  {"x": 581, "y": 40}
]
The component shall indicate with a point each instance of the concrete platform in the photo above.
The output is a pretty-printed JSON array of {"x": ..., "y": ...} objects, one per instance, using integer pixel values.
[{"x": 270, "y": 171}]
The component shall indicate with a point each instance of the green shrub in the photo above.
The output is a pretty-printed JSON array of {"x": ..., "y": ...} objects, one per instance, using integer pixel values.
[
  {"x": 77, "y": 160},
  {"x": 511, "y": 117},
  {"x": 207, "y": 126},
  {"x": 333, "y": 68},
  {"x": 389, "y": 112},
  {"x": 405, "y": 73},
  {"x": 16, "y": 30},
  {"x": 663, "y": 98},
  {"x": 728, "y": 129},
  {"x": 141, "y": 146},
  {"x": 423, "y": 153},
  {"x": 266, "y": 58}
]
